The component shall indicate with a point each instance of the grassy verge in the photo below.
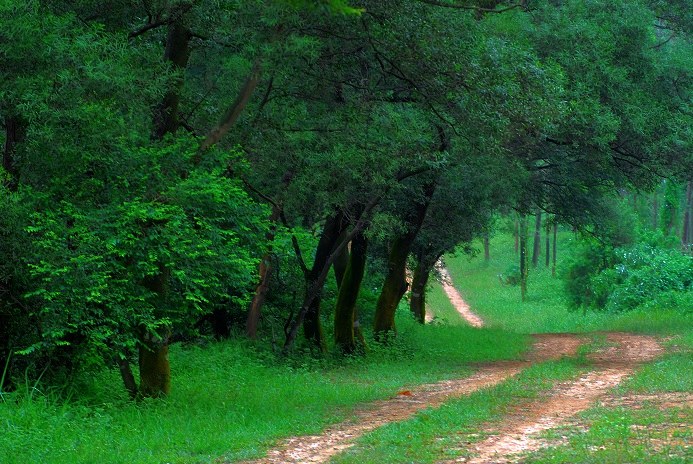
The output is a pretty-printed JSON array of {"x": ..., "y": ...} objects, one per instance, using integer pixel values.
[
  {"x": 546, "y": 307},
  {"x": 232, "y": 400},
  {"x": 649, "y": 425}
]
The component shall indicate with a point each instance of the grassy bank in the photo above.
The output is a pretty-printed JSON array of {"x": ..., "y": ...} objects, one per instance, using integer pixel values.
[{"x": 231, "y": 399}]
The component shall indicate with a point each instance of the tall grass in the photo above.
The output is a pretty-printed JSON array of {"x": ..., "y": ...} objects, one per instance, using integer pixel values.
[{"x": 232, "y": 400}]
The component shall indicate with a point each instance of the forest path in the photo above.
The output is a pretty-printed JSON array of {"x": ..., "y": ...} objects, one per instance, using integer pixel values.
[
  {"x": 519, "y": 432},
  {"x": 337, "y": 438},
  {"x": 456, "y": 299}
]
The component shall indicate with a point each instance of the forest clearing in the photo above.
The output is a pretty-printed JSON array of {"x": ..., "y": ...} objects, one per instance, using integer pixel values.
[{"x": 346, "y": 231}]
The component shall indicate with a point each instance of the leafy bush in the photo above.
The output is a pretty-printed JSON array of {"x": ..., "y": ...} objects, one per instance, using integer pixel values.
[{"x": 630, "y": 277}]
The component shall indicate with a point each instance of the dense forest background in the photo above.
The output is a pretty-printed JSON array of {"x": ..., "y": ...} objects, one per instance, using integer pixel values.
[{"x": 181, "y": 170}]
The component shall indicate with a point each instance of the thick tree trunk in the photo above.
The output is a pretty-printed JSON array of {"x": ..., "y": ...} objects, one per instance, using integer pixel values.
[
  {"x": 309, "y": 315},
  {"x": 166, "y": 115},
  {"x": 536, "y": 249},
  {"x": 524, "y": 269},
  {"x": 417, "y": 304},
  {"x": 395, "y": 284},
  {"x": 155, "y": 369},
  {"x": 340, "y": 264},
  {"x": 345, "y": 310}
]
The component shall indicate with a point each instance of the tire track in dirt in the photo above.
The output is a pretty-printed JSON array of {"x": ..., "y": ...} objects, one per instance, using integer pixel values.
[
  {"x": 337, "y": 438},
  {"x": 519, "y": 432}
]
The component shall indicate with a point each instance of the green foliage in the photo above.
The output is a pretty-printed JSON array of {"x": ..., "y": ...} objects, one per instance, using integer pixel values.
[{"x": 631, "y": 277}]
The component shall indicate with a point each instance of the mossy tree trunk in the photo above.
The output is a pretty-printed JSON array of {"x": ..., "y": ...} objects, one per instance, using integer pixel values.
[
  {"x": 395, "y": 284},
  {"x": 422, "y": 272},
  {"x": 345, "y": 310}
]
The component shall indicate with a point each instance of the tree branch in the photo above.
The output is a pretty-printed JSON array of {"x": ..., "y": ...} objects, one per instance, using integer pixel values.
[{"x": 471, "y": 7}]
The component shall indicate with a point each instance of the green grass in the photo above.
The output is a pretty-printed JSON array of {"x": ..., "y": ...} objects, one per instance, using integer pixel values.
[
  {"x": 546, "y": 307},
  {"x": 232, "y": 400}
]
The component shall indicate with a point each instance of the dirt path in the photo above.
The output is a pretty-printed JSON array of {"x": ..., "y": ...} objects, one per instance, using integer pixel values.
[
  {"x": 335, "y": 439},
  {"x": 519, "y": 432},
  {"x": 456, "y": 299}
]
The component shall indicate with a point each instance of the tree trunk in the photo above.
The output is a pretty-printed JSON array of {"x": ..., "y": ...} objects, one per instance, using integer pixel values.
[
  {"x": 155, "y": 369},
  {"x": 687, "y": 236},
  {"x": 523, "y": 257},
  {"x": 394, "y": 288},
  {"x": 655, "y": 209},
  {"x": 255, "y": 310},
  {"x": 487, "y": 247},
  {"x": 345, "y": 310},
  {"x": 536, "y": 249},
  {"x": 395, "y": 284},
  {"x": 340, "y": 264},
  {"x": 555, "y": 234},
  {"x": 166, "y": 115},
  {"x": 417, "y": 304},
  {"x": 516, "y": 236},
  {"x": 312, "y": 328},
  {"x": 128, "y": 377}
]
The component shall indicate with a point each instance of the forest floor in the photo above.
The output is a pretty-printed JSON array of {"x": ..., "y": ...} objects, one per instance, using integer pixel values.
[{"x": 524, "y": 427}]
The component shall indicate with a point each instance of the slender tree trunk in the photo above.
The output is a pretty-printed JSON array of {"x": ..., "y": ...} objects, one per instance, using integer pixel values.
[
  {"x": 345, "y": 310},
  {"x": 655, "y": 209},
  {"x": 516, "y": 236},
  {"x": 487, "y": 247},
  {"x": 255, "y": 310},
  {"x": 524, "y": 269},
  {"x": 395, "y": 284},
  {"x": 555, "y": 234},
  {"x": 128, "y": 378},
  {"x": 417, "y": 304},
  {"x": 687, "y": 236},
  {"x": 547, "y": 250},
  {"x": 536, "y": 249}
]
